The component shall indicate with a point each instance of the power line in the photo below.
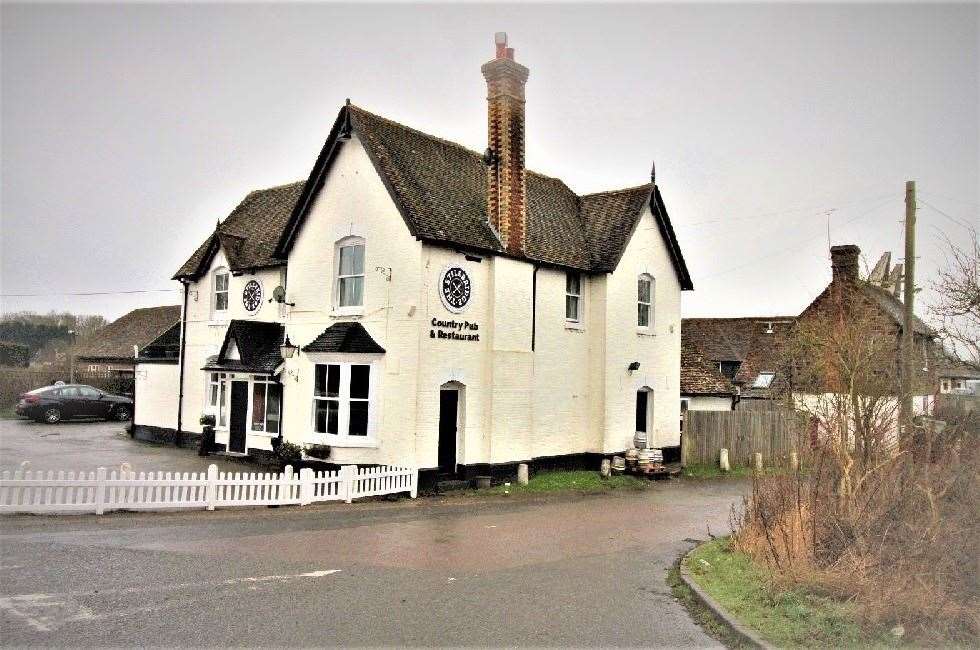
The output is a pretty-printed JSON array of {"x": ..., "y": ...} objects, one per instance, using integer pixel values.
[
  {"x": 85, "y": 293},
  {"x": 795, "y": 246},
  {"x": 948, "y": 216},
  {"x": 810, "y": 211}
]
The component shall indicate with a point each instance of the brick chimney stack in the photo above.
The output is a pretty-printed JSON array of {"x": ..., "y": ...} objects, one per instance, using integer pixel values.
[
  {"x": 844, "y": 262},
  {"x": 506, "y": 177}
]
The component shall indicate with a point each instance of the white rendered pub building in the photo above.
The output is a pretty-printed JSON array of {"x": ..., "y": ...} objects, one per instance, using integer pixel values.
[{"x": 420, "y": 304}]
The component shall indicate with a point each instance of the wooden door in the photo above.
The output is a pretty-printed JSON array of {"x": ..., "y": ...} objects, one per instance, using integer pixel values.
[
  {"x": 448, "y": 418},
  {"x": 239, "y": 415}
]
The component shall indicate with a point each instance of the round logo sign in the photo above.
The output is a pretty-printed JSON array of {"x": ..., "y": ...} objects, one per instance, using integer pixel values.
[
  {"x": 455, "y": 289},
  {"x": 252, "y": 295}
]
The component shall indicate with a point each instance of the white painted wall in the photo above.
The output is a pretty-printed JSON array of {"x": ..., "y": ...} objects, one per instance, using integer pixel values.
[
  {"x": 571, "y": 394},
  {"x": 708, "y": 403},
  {"x": 156, "y": 394}
]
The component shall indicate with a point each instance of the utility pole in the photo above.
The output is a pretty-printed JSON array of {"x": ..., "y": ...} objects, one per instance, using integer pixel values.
[{"x": 908, "y": 340}]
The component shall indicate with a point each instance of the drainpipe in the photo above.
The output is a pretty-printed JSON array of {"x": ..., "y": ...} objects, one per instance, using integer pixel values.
[
  {"x": 180, "y": 380},
  {"x": 534, "y": 305}
]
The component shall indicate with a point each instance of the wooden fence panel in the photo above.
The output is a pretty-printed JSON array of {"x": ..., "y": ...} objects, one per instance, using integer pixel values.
[{"x": 774, "y": 434}]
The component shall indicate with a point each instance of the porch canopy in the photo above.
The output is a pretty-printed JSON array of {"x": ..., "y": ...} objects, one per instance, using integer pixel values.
[{"x": 249, "y": 347}]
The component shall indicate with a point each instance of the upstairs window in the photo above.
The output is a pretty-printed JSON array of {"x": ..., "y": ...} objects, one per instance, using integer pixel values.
[
  {"x": 729, "y": 369},
  {"x": 573, "y": 297},
  {"x": 350, "y": 273},
  {"x": 220, "y": 286},
  {"x": 644, "y": 301}
]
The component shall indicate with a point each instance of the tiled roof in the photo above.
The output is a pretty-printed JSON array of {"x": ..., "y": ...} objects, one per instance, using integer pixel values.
[
  {"x": 895, "y": 308},
  {"x": 440, "y": 189},
  {"x": 165, "y": 346},
  {"x": 250, "y": 233},
  {"x": 732, "y": 339},
  {"x": 115, "y": 341},
  {"x": 698, "y": 375},
  {"x": 258, "y": 346},
  {"x": 345, "y": 337}
]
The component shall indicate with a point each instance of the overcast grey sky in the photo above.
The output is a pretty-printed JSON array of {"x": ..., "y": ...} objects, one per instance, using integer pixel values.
[{"x": 128, "y": 130}]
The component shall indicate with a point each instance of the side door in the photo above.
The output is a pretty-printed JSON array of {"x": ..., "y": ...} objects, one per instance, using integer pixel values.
[{"x": 70, "y": 401}]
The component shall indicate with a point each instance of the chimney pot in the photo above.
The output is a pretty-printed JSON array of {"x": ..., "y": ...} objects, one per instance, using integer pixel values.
[{"x": 844, "y": 262}]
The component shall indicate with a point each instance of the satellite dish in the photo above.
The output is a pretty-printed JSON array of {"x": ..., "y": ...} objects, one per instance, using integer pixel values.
[{"x": 279, "y": 295}]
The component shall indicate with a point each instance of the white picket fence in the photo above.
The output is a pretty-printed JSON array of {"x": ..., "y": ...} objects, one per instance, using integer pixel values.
[{"x": 99, "y": 491}]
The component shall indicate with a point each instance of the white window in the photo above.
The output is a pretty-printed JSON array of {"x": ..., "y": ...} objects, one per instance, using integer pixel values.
[
  {"x": 944, "y": 385},
  {"x": 219, "y": 299},
  {"x": 223, "y": 402},
  {"x": 764, "y": 380},
  {"x": 349, "y": 288},
  {"x": 342, "y": 399},
  {"x": 644, "y": 301},
  {"x": 266, "y": 406},
  {"x": 214, "y": 391},
  {"x": 573, "y": 297}
]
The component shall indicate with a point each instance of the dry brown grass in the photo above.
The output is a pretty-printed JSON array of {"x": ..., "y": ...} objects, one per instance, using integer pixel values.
[{"x": 900, "y": 538}]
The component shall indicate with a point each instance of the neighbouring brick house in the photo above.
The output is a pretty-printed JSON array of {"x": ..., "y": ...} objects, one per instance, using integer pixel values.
[
  {"x": 749, "y": 351},
  {"x": 111, "y": 350},
  {"x": 417, "y": 303}
]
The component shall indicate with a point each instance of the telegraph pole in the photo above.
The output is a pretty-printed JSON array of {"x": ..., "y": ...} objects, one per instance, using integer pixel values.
[{"x": 908, "y": 340}]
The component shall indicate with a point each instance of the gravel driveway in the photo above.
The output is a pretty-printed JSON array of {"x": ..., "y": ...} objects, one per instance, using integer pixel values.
[{"x": 74, "y": 446}]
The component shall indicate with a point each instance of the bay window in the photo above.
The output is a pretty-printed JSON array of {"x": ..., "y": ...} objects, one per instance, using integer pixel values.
[{"x": 342, "y": 399}]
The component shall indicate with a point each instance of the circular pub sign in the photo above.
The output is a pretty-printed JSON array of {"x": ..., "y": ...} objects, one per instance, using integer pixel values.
[
  {"x": 252, "y": 296},
  {"x": 455, "y": 288}
]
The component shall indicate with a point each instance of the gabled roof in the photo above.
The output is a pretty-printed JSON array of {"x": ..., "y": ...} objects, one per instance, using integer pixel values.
[
  {"x": 440, "y": 190},
  {"x": 257, "y": 343},
  {"x": 698, "y": 375},
  {"x": 250, "y": 233},
  {"x": 165, "y": 346},
  {"x": 733, "y": 339},
  {"x": 115, "y": 341},
  {"x": 345, "y": 337}
]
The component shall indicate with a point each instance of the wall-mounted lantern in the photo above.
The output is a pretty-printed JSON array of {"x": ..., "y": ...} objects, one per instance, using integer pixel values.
[
  {"x": 633, "y": 367},
  {"x": 287, "y": 349}
]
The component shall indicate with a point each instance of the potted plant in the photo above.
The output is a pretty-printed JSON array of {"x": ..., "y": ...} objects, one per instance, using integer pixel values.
[{"x": 207, "y": 434}]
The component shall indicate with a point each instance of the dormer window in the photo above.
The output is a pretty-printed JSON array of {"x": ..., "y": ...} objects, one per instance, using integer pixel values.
[
  {"x": 219, "y": 284},
  {"x": 349, "y": 286}
]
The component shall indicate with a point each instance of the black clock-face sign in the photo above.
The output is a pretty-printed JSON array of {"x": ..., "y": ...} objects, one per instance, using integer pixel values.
[
  {"x": 455, "y": 289},
  {"x": 252, "y": 295}
]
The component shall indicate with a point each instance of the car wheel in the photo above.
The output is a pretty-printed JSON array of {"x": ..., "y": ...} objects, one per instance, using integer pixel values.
[
  {"x": 121, "y": 413},
  {"x": 52, "y": 415}
]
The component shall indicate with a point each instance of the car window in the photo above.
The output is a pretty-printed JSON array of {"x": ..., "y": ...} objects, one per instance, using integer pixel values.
[
  {"x": 88, "y": 392},
  {"x": 69, "y": 391}
]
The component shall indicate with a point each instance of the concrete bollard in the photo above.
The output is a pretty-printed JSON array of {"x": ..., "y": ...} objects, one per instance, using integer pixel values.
[
  {"x": 794, "y": 460},
  {"x": 522, "y": 474},
  {"x": 757, "y": 461},
  {"x": 605, "y": 469},
  {"x": 723, "y": 461}
]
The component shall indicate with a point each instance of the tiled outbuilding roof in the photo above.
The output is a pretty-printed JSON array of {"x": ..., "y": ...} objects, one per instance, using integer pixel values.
[
  {"x": 345, "y": 337},
  {"x": 698, "y": 375},
  {"x": 115, "y": 341},
  {"x": 165, "y": 346},
  {"x": 440, "y": 189},
  {"x": 258, "y": 348}
]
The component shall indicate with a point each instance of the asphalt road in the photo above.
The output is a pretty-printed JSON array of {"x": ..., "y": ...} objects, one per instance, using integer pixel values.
[
  {"x": 570, "y": 571},
  {"x": 88, "y": 445}
]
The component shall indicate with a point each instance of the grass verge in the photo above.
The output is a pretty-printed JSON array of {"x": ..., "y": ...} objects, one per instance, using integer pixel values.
[
  {"x": 713, "y": 471},
  {"x": 701, "y": 614},
  {"x": 788, "y": 619},
  {"x": 581, "y": 481}
]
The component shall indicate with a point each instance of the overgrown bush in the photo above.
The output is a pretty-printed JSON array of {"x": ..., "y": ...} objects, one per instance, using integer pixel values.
[
  {"x": 289, "y": 453},
  {"x": 898, "y": 536}
]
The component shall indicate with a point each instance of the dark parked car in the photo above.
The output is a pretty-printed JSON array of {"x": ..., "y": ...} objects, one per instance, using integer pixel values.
[{"x": 53, "y": 404}]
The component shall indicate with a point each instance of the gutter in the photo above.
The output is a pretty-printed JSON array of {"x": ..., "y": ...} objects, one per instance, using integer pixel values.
[
  {"x": 534, "y": 305},
  {"x": 180, "y": 380}
]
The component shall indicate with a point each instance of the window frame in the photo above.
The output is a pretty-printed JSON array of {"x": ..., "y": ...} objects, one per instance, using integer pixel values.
[
  {"x": 215, "y": 312},
  {"x": 266, "y": 381},
  {"x": 343, "y": 437},
  {"x": 339, "y": 245},
  {"x": 765, "y": 373},
  {"x": 579, "y": 321},
  {"x": 649, "y": 303}
]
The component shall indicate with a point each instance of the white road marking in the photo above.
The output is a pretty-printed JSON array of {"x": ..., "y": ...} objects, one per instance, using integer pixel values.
[{"x": 47, "y": 612}]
